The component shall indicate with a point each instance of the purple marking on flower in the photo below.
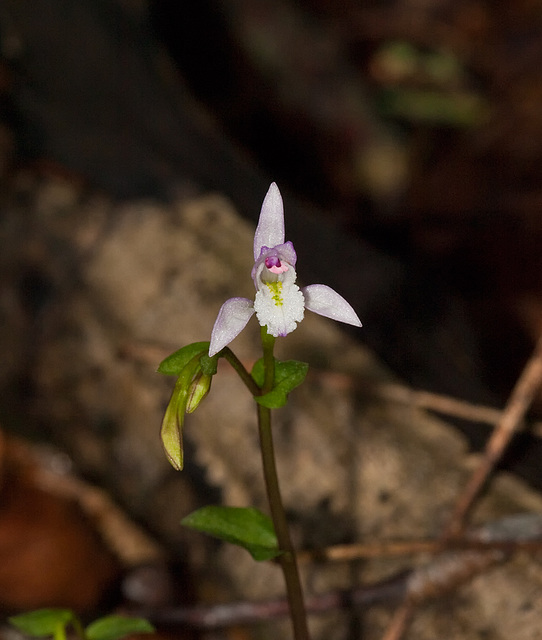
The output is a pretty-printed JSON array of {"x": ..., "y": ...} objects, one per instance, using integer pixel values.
[
  {"x": 272, "y": 261},
  {"x": 274, "y": 265},
  {"x": 279, "y": 303}
]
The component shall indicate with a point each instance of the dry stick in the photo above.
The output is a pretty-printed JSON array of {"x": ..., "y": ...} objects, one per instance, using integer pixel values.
[
  {"x": 518, "y": 403},
  {"x": 391, "y": 590},
  {"x": 401, "y": 394},
  {"x": 400, "y": 621},
  {"x": 434, "y": 580},
  {"x": 445, "y": 405},
  {"x": 362, "y": 551},
  {"x": 444, "y": 574},
  {"x": 507, "y": 423}
]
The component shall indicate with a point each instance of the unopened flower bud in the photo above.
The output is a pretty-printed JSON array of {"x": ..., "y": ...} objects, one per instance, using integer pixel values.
[{"x": 199, "y": 388}]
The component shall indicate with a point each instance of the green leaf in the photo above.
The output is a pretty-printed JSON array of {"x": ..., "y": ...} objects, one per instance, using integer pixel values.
[
  {"x": 258, "y": 371},
  {"x": 288, "y": 375},
  {"x": 43, "y": 622},
  {"x": 245, "y": 527},
  {"x": 177, "y": 361},
  {"x": 115, "y": 627}
]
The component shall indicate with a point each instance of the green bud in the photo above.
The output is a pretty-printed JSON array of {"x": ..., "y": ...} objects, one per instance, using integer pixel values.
[
  {"x": 199, "y": 388},
  {"x": 171, "y": 431},
  {"x": 196, "y": 370}
]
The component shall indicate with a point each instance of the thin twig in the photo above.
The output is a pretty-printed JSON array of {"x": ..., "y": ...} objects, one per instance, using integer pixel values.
[
  {"x": 389, "y": 591},
  {"x": 400, "y": 621},
  {"x": 441, "y": 576},
  {"x": 506, "y": 423},
  {"x": 363, "y": 551},
  {"x": 401, "y": 394},
  {"x": 510, "y": 421},
  {"x": 519, "y": 402},
  {"x": 489, "y": 545}
]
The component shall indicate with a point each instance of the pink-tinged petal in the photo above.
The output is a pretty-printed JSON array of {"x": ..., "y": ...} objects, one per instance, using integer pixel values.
[
  {"x": 284, "y": 252},
  {"x": 270, "y": 229},
  {"x": 326, "y": 302},
  {"x": 231, "y": 320}
]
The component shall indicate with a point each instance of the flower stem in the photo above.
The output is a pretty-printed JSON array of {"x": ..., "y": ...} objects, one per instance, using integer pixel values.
[
  {"x": 287, "y": 559},
  {"x": 78, "y": 628},
  {"x": 245, "y": 376}
]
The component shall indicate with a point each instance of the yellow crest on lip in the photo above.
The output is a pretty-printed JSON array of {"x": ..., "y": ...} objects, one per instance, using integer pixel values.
[{"x": 276, "y": 292}]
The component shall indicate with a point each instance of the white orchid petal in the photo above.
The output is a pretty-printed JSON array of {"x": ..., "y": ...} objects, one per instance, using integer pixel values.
[
  {"x": 270, "y": 229},
  {"x": 231, "y": 320},
  {"x": 279, "y": 306},
  {"x": 326, "y": 302},
  {"x": 279, "y": 303}
]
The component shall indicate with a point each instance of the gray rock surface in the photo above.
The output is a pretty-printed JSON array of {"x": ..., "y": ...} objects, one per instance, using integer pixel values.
[{"x": 125, "y": 285}]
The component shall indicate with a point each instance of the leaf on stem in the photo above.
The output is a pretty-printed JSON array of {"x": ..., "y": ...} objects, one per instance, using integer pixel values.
[
  {"x": 42, "y": 622},
  {"x": 115, "y": 627},
  {"x": 288, "y": 375},
  {"x": 177, "y": 361},
  {"x": 245, "y": 527}
]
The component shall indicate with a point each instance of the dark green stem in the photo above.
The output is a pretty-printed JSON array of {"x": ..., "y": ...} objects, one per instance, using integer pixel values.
[
  {"x": 245, "y": 376},
  {"x": 78, "y": 628},
  {"x": 287, "y": 559},
  {"x": 60, "y": 633}
]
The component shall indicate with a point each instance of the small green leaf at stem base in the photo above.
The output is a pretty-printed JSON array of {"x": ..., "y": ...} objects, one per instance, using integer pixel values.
[
  {"x": 177, "y": 361},
  {"x": 115, "y": 627},
  {"x": 244, "y": 526},
  {"x": 288, "y": 375},
  {"x": 42, "y": 622}
]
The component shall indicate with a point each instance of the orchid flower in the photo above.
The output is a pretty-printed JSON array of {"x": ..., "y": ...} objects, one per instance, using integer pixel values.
[{"x": 279, "y": 303}]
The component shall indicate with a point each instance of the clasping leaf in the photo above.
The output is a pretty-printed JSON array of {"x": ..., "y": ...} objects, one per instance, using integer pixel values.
[
  {"x": 177, "y": 361},
  {"x": 115, "y": 627},
  {"x": 43, "y": 622},
  {"x": 245, "y": 527},
  {"x": 288, "y": 375}
]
